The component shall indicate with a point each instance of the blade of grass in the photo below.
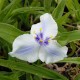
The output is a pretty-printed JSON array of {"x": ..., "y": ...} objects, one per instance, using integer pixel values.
[
  {"x": 36, "y": 70},
  {"x": 58, "y": 11}
]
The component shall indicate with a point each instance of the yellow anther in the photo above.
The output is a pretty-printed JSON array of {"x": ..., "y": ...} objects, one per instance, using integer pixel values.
[
  {"x": 34, "y": 36},
  {"x": 41, "y": 40},
  {"x": 40, "y": 29},
  {"x": 48, "y": 40},
  {"x": 51, "y": 36}
]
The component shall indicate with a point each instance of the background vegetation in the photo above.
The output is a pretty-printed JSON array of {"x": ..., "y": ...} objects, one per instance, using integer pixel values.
[{"x": 16, "y": 18}]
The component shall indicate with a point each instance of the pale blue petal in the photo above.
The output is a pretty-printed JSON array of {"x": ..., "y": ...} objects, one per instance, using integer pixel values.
[
  {"x": 53, "y": 52},
  {"x": 49, "y": 25},
  {"x": 25, "y": 48},
  {"x": 36, "y": 29}
]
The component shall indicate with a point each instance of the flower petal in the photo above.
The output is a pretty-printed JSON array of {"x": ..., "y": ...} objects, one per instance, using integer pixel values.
[
  {"x": 49, "y": 25},
  {"x": 53, "y": 52},
  {"x": 36, "y": 29},
  {"x": 25, "y": 48}
]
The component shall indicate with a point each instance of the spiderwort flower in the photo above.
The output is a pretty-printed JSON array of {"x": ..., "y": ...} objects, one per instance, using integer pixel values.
[{"x": 39, "y": 44}]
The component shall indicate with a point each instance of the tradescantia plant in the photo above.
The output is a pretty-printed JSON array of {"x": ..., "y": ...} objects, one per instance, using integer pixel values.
[
  {"x": 39, "y": 36},
  {"x": 39, "y": 44}
]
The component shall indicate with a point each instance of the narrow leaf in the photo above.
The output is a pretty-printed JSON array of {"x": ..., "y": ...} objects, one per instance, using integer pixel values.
[
  {"x": 67, "y": 37},
  {"x": 75, "y": 60},
  {"x": 26, "y": 9},
  {"x": 70, "y": 5},
  {"x": 62, "y": 20},
  {"x": 58, "y": 11},
  {"x": 36, "y": 70},
  {"x": 9, "y": 32},
  {"x": 3, "y": 77},
  {"x": 5, "y": 13},
  {"x": 47, "y": 5}
]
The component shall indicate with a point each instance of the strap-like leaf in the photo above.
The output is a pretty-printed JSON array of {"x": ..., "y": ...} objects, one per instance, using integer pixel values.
[
  {"x": 36, "y": 70},
  {"x": 9, "y": 32}
]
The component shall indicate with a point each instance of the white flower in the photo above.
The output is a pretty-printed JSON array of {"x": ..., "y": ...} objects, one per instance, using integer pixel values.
[{"x": 39, "y": 44}]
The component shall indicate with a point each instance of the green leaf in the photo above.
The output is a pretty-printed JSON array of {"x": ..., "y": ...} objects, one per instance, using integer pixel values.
[
  {"x": 37, "y": 78},
  {"x": 47, "y": 5},
  {"x": 3, "y": 77},
  {"x": 33, "y": 4},
  {"x": 36, "y": 70},
  {"x": 62, "y": 20},
  {"x": 58, "y": 11},
  {"x": 26, "y": 10},
  {"x": 73, "y": 5},
  {"x": 70, "y": 5},
  {"x": 67, "y": 37},
  {"x": 5, "y": 13},
  {"x": 76, "y": 4},
  {"x": 29, "y": 76},
  {"x": 75, "y": 60},
  {"x": 77, "y": 77},
  {"x": 9, "y": 32},
  {"x": 1, "y": 4}
]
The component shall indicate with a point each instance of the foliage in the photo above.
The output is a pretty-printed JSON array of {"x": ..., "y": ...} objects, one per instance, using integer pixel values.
[{"x": 16, "y": 18}]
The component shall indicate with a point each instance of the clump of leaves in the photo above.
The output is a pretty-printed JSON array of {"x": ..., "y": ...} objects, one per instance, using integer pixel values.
[{"x": 16, "y": 18}]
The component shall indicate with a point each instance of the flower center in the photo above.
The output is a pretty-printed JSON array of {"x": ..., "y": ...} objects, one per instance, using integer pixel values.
[{"x": 40, "y": 40}]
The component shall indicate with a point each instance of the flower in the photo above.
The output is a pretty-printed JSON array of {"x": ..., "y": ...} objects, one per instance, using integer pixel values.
[{"x": 39, "y": 44}]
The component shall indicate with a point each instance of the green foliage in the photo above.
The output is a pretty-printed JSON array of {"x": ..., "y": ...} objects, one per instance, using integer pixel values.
[
  {"x": 9, "y": 32},
  {"x": 67, "y": 37},
  {"x": 75, "y": 60},
  {"x": 47, "y": 5},
  {"x": 37, "y": 70},
  {"x": 77, "y": 77},
  {"x": 58, "y": 11},
  {"x": 5, "y": 13},
  {"x": 26, "y": 10},
  {"x": 16, "y": 18}
]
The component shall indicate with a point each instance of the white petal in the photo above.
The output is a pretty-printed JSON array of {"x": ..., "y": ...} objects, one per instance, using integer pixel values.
[
  {"x": 49, "y": 25},
  {"x": 36, "y": 29},
  {"x": 52, "y": 53},
  {"x": 25, "y": 48},
  {"x": 42, "y": 54}
]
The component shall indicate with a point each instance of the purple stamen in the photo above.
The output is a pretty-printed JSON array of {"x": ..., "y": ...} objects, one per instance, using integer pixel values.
[
  {"x": 46, "y": 41},
  {"x": 39, "y": 39},
  {"x": 41, "y": 35}
]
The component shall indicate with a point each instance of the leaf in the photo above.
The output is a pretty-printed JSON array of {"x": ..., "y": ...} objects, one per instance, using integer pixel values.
[
  {"x": 9, "y": 32},
  {"x": 75, "y": 60},
  {"x": 62, "y": 20},
  {"x": 70, "y": 5},
  {"x": 1, "y": 4},
  {"x": 73, "y": 5},
  {"x": 26, "y": 10},
  {"x": 37, "y": 78},
  {"x": 67, "y": 37},
  {"x": 36, "y": 70},
  {"x": 47, "y": 5},
  {"x": 76, "y": 4},
  {"x": 3, "y": 77},
  {"x": 33, "y": 4},
  {"x": 29, "y": 76},
  {"x": 77, "y": 77},
  {"x": 58, "y": 11},
  {"x": 5, "y": 13}
]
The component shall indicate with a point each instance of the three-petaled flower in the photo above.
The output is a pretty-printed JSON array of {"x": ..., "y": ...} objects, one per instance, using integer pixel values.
[{"x": 40, "y": 44}]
